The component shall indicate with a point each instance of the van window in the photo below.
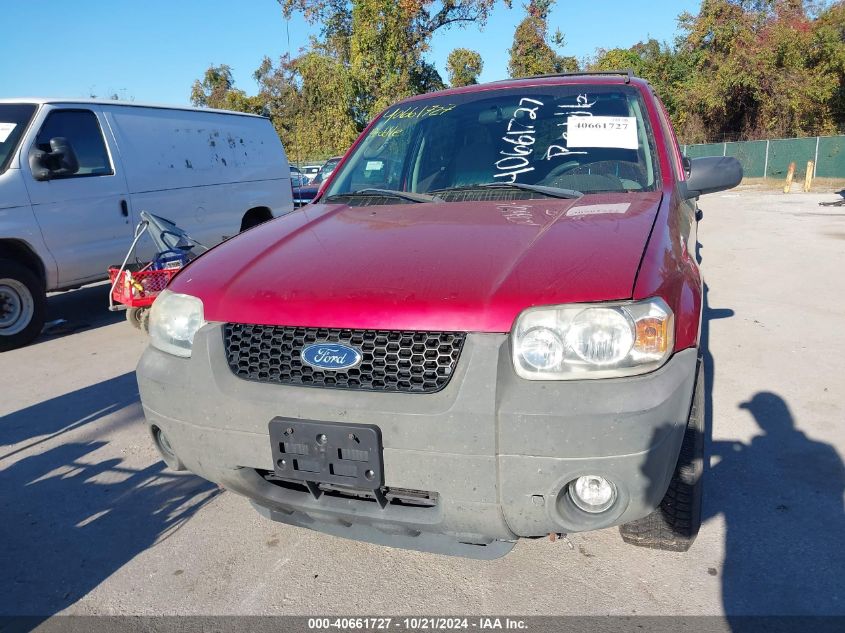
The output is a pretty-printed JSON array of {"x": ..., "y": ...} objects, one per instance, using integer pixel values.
[
  {"x": 14, "y": 117},
  {"x": 81, "y": 129}
]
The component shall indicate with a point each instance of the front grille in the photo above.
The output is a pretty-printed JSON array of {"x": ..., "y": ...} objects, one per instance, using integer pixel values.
[{"x": 413, "y": 362}]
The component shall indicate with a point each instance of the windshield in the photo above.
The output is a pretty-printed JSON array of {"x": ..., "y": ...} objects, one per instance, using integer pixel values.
[
  {"x": 588, "y": 139},
  {"x": 14, "y": 117},
  {"x": 326, "y": 169}
]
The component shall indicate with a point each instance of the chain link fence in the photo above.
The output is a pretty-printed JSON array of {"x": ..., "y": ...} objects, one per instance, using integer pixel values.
[{"x": 770, "y": 159}]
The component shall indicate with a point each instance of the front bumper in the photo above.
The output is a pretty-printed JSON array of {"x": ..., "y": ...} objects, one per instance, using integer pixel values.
[{"x": 498, "y": 450}]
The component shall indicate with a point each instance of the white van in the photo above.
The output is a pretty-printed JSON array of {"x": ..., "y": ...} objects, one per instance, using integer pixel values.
[{"x": 75, "y": 174}]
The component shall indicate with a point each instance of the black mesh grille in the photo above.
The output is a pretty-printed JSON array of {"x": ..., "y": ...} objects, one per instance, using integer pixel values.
[{"x": 415, "y": 362}]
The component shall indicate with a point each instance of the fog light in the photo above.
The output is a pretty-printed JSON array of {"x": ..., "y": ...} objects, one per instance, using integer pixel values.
[
  {"x": 169, "y": 456},
  {"x": 592, "y": 493}
]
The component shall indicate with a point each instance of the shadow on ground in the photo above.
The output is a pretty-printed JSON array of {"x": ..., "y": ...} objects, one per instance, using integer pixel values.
[
  {"x": 77, "y": 310},
  {"x": 781, "y": 497},
  {"x": 46, "y": 420},
  {"x": 73, "y": 514}
]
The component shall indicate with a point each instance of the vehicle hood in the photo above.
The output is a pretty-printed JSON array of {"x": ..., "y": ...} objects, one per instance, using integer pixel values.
[{"x": 467, "y": 266}]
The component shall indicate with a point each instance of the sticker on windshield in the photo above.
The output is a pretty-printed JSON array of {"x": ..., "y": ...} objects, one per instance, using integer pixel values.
[
  {"x": 5, "y": 130},
  {"x": 602, "y": 131}
]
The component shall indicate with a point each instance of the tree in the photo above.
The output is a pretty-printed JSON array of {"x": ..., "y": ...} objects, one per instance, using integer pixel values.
[
  {"x": 322, "y": 112},
  {"x": 217, "y": 90},
  {"x": 310, "y": 100},
  {"x": 464, "y": 66},
  {"x": 211, "y": 91},
  {"x": 747, "y": 69},
  {"x": 829, "y": 35},
  {"x": 760, "y": 70},
  {"x": 386, "y": 53},
  {"x": 531, "y": 53},
  {"x": 387, "y": 41},
  {"x": 370, "y": 53},
  {"x": 665, "y": 68}
]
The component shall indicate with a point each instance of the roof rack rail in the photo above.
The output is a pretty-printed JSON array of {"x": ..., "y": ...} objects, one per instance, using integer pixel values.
[{"x": 627, "y": 73}]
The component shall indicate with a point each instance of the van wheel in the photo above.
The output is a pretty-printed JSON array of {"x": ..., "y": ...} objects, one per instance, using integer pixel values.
[
  {"x": 23, "y": 305},
  {"x": 674, "y": 524}
]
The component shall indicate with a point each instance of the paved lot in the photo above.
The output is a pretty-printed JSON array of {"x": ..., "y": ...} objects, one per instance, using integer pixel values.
[{"x": 91, "y": 521}]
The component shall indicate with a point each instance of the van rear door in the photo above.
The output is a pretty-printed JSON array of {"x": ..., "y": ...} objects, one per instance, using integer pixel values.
[{"x": 84, "y": 217}]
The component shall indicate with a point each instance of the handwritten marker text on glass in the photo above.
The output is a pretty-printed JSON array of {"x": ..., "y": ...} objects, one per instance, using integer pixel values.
[
  {"x": 521, "y": 136},
  {"x": 418, "y": 112},
  {"x": 581, "y": 107}
]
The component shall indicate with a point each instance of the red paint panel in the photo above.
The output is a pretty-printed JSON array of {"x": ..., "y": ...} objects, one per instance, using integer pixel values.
[
  {"x": 670, "y": 270},
  {"x": 469, "y": 266}
]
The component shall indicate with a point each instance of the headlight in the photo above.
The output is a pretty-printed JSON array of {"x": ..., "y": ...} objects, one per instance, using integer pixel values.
[
  {"x": 602, "y": 340},
  {"x": 174, "y": 320}
]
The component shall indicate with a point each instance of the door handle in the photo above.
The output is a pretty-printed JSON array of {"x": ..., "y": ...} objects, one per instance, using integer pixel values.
[{"x": 124, "y": 208}]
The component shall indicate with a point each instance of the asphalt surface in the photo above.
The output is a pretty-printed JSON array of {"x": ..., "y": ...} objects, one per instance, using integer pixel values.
[{"x": 91, "y": 522}]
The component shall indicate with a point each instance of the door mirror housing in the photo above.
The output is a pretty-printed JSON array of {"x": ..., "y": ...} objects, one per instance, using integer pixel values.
[
  {"x": 59, "y": 162},
  {"x": 710, "y": 174}
]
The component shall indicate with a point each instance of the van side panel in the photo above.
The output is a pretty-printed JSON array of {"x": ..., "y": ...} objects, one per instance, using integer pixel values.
[
  {"x": 18, "y": 225},
  {"x": 166, "y": 149},
  {"x": 12, "y": 190},
  {"x": 209, "y": 213},
  {"x": 202, "y": 170}
]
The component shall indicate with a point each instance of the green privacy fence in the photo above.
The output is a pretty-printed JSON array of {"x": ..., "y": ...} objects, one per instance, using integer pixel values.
[{"x": 770, "y": 159}]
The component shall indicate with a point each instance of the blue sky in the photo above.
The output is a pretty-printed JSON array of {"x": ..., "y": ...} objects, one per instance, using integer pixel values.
[{"x": 153, "y": 50}]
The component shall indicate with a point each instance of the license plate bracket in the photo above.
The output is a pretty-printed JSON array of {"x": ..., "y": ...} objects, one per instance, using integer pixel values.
[{"x": 327, "y": 452}]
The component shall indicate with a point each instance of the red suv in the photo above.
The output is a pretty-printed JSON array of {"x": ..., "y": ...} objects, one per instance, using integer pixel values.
[{"x": 486, "y": 327}]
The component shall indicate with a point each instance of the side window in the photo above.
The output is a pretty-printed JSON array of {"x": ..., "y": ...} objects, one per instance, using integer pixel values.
[{"x": 82, "y": 130}]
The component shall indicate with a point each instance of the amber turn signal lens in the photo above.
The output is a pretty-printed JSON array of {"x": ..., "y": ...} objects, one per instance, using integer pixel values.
[{"x": 652, "y": 335}]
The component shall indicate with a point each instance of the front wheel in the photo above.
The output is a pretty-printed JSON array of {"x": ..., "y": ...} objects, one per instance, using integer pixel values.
[
  {"x": 23, "y": 305},
  {"x": 674, "y": 524}
]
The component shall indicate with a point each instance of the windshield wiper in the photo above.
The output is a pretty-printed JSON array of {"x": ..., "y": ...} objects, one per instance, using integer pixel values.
[
  {"x": 390, "y": 193},
  {"x": 552, "y": 192}
]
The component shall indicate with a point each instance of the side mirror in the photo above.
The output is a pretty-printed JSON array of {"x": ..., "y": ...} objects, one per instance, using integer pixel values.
[
  {"x": 38, "y": 164},
  {"x": 60, "y": 161},
  {"x": 712, "y": 173}
]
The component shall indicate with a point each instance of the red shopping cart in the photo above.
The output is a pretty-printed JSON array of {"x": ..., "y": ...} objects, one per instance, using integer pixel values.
[{"x": 134, "y": 286}]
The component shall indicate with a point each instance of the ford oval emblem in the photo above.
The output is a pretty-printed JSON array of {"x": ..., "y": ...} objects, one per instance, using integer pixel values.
[{"x": 331, "y": 356}]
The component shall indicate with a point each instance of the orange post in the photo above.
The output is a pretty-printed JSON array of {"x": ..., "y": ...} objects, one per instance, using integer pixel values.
[
  {"x": 790, "y": 174},
  {"x": 808, "y": 177}
]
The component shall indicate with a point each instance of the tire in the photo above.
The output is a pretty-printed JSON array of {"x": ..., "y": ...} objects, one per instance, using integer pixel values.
[
  {"x": 145, "y": 321},
  {"x": 674, "y": 524},
  {"x": 138, "y": 317},
  {"x": 23, "y": 305},
  {"x": 133, "y": 317}
]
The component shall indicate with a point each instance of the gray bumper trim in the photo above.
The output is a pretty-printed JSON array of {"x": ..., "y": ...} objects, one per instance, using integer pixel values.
[
  {"x": 410, "y": 539},
  {"x": 497, "y": 449}
]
